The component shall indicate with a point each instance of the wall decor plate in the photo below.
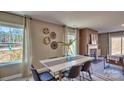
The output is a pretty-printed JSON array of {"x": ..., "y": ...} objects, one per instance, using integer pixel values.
[
  {"x": 46, "y": 40},
  {"x": 46, "y": 31},
  {"x": 53, "y": 35},
  {"x": 54, "y": 45}
]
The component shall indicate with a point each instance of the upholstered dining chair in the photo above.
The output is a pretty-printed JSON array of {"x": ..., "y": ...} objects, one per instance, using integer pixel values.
[
  {"x": 86, "y": 68},
  {"x": 44, "y": 76},
  {"x": 91, "y": 68},
  {"x": 72, "y": 73}
]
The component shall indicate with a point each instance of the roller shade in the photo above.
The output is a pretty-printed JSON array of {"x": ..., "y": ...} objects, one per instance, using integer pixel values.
[
  {"x": 119, "y": 33},
  {"x": 10, "y": 18}
]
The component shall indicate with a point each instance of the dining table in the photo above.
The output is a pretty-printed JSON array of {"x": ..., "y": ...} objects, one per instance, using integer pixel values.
[{"x": 61, "y": 63}]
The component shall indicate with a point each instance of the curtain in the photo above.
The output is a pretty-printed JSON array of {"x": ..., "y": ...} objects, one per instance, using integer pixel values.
[
  {"x": 27, "y": 48},
  {"x": 11, "y": 19},
  {"x": 116, "y": 43},
  {"x": 77, "y": 39},
  {"x": 65, "y": 39}
]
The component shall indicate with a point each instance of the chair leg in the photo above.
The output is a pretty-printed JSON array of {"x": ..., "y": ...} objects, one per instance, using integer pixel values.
[
  {"x": 80, "y": 77},
  {"x": 89, "y": 75},
  {"x": 91, "y": 69},
  {"x": 83, "y": 75}
]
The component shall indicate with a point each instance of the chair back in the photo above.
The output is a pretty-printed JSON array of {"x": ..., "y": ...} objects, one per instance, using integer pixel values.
[
  {"x": 74, "y": 72},
  {"x": 35, "y": 74},
  {"x": 86, "y": 66},
  {"x": 86, "y": 55},
  {"x": 121, "y": 59}
]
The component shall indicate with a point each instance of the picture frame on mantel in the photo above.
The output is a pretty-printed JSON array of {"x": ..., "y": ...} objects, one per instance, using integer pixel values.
[{"x": 93, "y": 38}]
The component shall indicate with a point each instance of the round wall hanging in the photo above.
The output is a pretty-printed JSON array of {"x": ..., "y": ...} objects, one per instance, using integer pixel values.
[
  {"x": 52, "y": 35},
  {"x": 54, "y": 45},
  {"x": 46, "y": 40},
  {"x": 46, "y": 31}
]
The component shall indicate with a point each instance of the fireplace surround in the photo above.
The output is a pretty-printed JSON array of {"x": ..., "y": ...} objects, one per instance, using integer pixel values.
[{"x": 93, "y": 50}]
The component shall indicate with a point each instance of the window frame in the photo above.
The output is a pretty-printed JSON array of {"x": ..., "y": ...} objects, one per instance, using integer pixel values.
[
  {"x": 110, "y": 44},
  {"x": 72, "y": 33},
  {"x": 6, "y": 24}
]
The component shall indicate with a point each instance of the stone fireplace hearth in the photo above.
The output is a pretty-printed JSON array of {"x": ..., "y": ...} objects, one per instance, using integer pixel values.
[{"x": 93, "y": 50}]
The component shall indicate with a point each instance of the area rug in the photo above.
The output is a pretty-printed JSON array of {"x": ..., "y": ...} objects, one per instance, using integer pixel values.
[{"x": 111, "y": 72}]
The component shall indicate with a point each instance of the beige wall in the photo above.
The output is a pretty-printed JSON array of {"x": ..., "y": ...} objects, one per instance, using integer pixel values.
[
  {"x": 40, "y": 50},
  {"x": 9, "y": 70}
]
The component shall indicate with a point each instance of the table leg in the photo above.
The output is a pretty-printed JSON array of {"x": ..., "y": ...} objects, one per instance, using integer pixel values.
[
  {"x": 60, "y": 75},
  {"x": 123, "y": 70},
  {"x": 105, "y": 60}
]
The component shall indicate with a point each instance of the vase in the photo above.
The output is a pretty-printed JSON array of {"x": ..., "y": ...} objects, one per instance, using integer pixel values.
[{"x": 68, "y": 53}]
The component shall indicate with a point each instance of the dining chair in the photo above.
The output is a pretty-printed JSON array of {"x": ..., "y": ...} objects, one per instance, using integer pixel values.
[
  {"x": 72, "y": 73},
  {"x": 44, "y": 76},
  {"x": 86, "y": 68}
]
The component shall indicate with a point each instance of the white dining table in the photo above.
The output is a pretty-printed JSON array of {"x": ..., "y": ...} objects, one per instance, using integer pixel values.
[{"x": 61, "y": 63}]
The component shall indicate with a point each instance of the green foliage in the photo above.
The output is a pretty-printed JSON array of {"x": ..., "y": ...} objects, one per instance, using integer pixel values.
[{"x": 67, "y": 43}]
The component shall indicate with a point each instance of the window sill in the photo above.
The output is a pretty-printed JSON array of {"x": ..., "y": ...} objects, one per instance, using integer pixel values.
[{"x": 9, "y": 63}]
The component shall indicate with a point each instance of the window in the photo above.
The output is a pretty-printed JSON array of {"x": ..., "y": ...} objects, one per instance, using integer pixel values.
[
  {"x": 72, "y": 36},
  {"x": 117, "y": 45},
  {"x": 11, "y": 44}
]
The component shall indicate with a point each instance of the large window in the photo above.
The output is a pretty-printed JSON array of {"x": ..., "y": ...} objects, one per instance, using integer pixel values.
[
  {"x": 11, "y": 44},
  {"x": 72, "y": 36},
  {"x": 117, "y": 45}
]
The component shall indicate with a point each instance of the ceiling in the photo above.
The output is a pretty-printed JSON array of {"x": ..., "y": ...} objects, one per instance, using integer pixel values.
[{"x": 102, "y": 21}]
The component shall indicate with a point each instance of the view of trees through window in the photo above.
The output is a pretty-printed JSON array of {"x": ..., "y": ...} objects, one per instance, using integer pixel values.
[
  {"x": 11, "y": 44},
  {"x": 117, "y": 45},
  {"x": 73, "y": 46}
]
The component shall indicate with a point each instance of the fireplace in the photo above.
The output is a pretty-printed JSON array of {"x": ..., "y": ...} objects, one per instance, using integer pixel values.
[{"x": 93, "y": 50}]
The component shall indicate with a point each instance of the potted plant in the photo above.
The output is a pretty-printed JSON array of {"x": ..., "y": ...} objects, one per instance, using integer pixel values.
[{"x": 67, "y": 45}]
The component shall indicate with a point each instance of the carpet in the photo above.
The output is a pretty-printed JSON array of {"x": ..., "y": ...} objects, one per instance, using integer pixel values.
[
  {"x": 112, "y": 72},
  {"x": 97, "y": 61}
]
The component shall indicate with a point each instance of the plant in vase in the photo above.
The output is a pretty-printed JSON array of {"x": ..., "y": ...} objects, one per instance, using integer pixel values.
[{"x": 68, "y": 49}]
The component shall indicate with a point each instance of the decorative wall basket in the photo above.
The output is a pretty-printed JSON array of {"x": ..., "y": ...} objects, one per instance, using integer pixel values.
[
  {"x": 46, "y": 40},
  {"x": 53, "y": 35},
  {"x": 46, "y": 31},
  {"x": 54, "y": 45}
]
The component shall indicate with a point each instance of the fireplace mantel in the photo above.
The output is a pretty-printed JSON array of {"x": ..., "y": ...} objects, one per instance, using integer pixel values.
[
  {"x": 86, "y": 35},
  {"x": 92, "y": 46}
]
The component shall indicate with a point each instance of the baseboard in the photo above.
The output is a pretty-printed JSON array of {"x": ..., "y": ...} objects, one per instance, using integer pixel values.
[{"x": 10, "y": 77}]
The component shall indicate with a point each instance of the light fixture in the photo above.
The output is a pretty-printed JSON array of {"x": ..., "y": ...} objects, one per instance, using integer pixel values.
[{"x": 122, "y": 24}]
